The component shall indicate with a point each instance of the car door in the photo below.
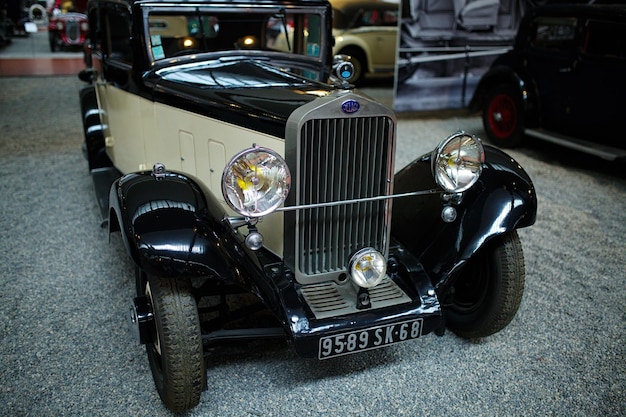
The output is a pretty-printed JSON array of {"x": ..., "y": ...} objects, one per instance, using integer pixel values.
[
  {"x": 377, "y": 27},
  {"x": 598, "y": 81},
  {"x": 386, "y": 38},
  {"x": 112, "y": 60},
  {"x": 550, "y": 59}
]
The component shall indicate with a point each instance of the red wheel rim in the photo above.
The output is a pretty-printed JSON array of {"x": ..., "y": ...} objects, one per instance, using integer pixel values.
[{"x": 502, "y": 116}]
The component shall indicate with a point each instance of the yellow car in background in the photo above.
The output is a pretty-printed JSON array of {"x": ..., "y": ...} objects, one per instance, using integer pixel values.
[{"x": 367, "y": 31}]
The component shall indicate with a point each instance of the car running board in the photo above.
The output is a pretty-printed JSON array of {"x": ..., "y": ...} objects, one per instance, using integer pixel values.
[{"x": 602, "y": 151}]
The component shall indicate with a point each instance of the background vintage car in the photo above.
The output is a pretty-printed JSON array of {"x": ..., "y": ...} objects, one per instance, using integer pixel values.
[
  {"x": 67, "y": 30},
  {"x": 564, "y": 81},
  {"x": 367, "y": 31}
]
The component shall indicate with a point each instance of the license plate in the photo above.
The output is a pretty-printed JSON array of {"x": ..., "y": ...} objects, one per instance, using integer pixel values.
[{"x": 373, "y": 338}]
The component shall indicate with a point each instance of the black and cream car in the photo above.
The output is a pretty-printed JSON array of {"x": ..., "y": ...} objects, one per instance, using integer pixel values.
[{"x": 255, "y": 191}]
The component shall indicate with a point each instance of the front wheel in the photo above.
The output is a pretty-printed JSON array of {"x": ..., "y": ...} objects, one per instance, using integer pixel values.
[
  {"x": 488, "y": 291},
  {"x": 503, "y": 116},
  {"x": 176, "y": 356}
]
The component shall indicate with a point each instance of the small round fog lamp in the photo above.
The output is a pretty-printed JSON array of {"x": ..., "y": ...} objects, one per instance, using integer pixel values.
[
  {"x": 254, "y": 240},
  {"x": 256, "y": 182},
  {"x": 448, "y": 214},
  {"x": 367, "y": 267}
]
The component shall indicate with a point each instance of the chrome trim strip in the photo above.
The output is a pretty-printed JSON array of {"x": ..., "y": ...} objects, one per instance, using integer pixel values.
[{"x": 360, "y": 200}]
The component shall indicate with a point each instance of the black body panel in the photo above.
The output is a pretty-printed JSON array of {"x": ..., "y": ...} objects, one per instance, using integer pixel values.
[
  {"x": 172, "y": 227},
  {"x": 503, "y": 199},
  {"x": 305, "y": 332},
  {"x": 235, "y": 91}
]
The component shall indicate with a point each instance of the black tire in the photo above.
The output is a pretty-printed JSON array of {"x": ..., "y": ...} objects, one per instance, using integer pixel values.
[
  {"x": 176, "y": 357},
  {"x": 503, "y": 116},
  {"x": 359, "y": 61},
  {"x": 489, "y": 289}
]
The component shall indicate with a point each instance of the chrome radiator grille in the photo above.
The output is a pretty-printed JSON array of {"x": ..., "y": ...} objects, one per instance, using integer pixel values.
[
  {"x": 342, "y": 159},
  {"x": 72, "y": 31}
]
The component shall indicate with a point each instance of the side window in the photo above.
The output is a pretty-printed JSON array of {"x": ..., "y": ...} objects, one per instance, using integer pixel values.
[
  {"x": 119, "y": 29},
  {"x": 554, "y": 34},
  {"x": 604, "y": 39},
  {"x": 112, "y": 33},
  {"x": 390, "y": 18},
  {"x": 375, "y": 17},
  {"x": 370, "y": 18}
]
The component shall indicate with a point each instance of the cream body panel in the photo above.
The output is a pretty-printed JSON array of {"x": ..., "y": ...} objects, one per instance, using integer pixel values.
[
  {"x": 199, "y": 146},
  {"x": 125, "y": 136},
  {"x": 184, "y": 142}
]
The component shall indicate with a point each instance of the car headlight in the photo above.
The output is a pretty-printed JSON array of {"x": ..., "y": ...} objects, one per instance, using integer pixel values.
[
  {"x": 457, "y": 162},
  {"x": 256, "y": 182},
  {"x": 367, "y": 267}
]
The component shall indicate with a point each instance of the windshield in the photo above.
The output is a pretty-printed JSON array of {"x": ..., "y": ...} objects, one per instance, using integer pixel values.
[{"x": 174, "y": 33}]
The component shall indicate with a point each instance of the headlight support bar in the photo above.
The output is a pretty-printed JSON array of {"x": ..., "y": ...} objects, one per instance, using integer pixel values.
[{"x": 360, "y": 200}]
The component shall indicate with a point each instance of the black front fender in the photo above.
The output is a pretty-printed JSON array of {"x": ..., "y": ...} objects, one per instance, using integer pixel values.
[
  {"x": 502, "y": 200},
  {"x": 174, "y": 227}
]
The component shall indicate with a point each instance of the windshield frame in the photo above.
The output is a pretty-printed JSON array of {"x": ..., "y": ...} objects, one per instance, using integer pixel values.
[{"x": 318, "y": 63}]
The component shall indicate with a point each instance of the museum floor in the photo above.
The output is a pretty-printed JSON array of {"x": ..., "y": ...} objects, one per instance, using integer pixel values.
[{"x": 30, "y": 56}]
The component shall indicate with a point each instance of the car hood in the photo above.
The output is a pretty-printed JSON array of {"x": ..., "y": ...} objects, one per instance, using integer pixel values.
[{"x": 244, "y": 92}]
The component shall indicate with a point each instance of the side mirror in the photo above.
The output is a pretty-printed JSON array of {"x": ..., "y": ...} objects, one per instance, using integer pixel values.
[{"x": 87, "y": 75}]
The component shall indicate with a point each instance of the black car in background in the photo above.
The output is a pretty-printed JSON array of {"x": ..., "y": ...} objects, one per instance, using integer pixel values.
[{"x": 563, "y": 82}]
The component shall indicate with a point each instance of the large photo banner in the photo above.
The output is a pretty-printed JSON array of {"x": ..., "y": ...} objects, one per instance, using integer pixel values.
[{"x": 445, "y": 46}]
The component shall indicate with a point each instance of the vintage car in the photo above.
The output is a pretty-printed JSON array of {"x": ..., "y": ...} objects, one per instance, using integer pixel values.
[
  {"x": 563, "y": 82},
  {"x": 67, "y": 30},
  {"x": 367, "y": 31},
  {"x": 255, "y": 191}
]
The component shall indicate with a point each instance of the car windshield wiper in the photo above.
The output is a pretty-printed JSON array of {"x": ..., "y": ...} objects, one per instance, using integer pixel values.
[
  {"x": 201, "y": 27},
  {"x": 282, "y": 15}
]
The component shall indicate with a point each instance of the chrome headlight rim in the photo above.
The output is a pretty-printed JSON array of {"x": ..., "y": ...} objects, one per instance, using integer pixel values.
[
  {"x": 232, "y": 189},
  {"x": 457, "y": 162},
  {"x": 367, "y": 267}
]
